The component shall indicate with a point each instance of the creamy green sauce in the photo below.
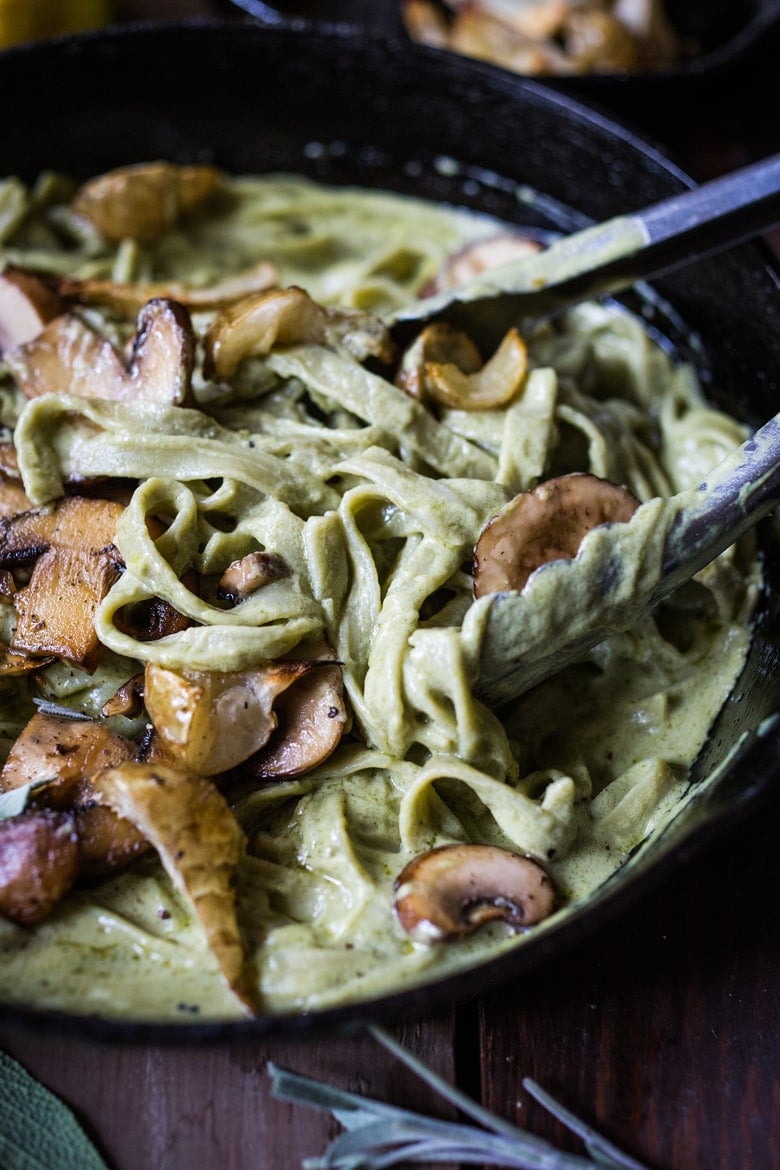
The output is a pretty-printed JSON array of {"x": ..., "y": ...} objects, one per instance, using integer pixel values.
[{"x": 375, "y": 502}]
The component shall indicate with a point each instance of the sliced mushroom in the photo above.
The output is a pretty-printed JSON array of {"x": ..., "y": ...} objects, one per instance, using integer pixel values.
[
  {"x": 454, "y": 889},
  {"x": 125, "y": 299},
  {"x": 55, "y": 611},
  {"x": 243, "y": 578},
  {"x": 211, "y": 721},
  {"x": 72, "y": 752},
  {"x": 13, "y": 665},
  {"x": 76, "y": 564},
  {"x": 26, "y": 306},
  {"x": 38, "y": 864},
  {"x": 438, "y": 343},
  {"x": 73, "y": 522},
  {"x": 287, "y": 316},
  {"x": 478, "y": 257},
  {"x": 312, "y": 717},
  {"x": 492, "y": 385},
  {"x": 199, "y": 843},
  {"x": 142, "y": 202},
  {"x": 546, "y": 523},
  {"x": 128, "y": 700},
  {"x": 67, "y": 357}
]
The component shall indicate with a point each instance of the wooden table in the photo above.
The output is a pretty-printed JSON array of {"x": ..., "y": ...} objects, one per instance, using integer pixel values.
[{"x": 661, "y": 1030}]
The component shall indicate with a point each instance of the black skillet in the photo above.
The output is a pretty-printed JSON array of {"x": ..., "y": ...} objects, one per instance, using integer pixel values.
[{"x": 348, "y": 109}]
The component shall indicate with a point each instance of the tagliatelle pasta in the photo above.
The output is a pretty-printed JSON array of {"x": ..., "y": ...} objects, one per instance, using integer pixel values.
[{"x": 351, "y": 507}]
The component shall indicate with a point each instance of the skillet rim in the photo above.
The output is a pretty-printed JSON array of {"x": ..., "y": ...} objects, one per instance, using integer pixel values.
[{"x": 760, "y": 758}]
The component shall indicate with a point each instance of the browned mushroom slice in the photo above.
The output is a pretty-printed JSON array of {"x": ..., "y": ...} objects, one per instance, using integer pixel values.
[
  {"x": 38, "y": 863},
  {"x": 13, "y": 664},
  {"x": 142, "y": 202},
  {"x": 211, "y": 721},
  {"x": 26, "y": 306},
  {"x": 200, "y": 844},
  {"x": 311, "y": 716},
  {"x": 477, "y": 32},
  {"x": 455, "y": 889},
  {"x": 75, "y": 567},
  {"x": 125, "y": 299},
  {"x": 55, "y": 611},
  {"x": 13, "y": 497},
  {"x": 425, "y": 23},
  {"x": 73, "y": 522},
  {"x": 128, "y": 700},
  {"x": 437, "y": 343},
  {"x": 243, "y": 578},
  {"x": 477, "y": 257},
  {"x": 462, "y": 386},
  {"x": 72, "y": 752},
  {"x": 67, "y": 357},
  {"x": 287, "y": 316},
  {"x": 546, "y": 523}
]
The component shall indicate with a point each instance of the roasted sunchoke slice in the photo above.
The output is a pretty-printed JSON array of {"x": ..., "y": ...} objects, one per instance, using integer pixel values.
[
  {"x": 288, "y": 316},
  {"x": 312, "y": 717},
  {"x": 199, "y": 843},
  {"x": 68, "y": 357},
  {"x": 39, "y": 856},
  {"x": 546, "y": 523},
  {"x": 455, "y": 889},
  {"x": 72, "y": 752},
  {"x": 142, "y": 202},
  {"x": 212, "y": 721},
  {"x": 26, "y": 306}
]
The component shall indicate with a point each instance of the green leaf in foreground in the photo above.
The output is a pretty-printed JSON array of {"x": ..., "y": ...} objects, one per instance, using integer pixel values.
[
  {"x": 379, "y": 1135},
  {"x": 37, "y": 1131}
]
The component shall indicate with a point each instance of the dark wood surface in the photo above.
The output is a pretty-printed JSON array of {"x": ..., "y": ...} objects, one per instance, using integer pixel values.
[{"x": 661, "y": 1030}]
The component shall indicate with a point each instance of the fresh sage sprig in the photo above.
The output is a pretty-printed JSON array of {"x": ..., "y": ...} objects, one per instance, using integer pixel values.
[{"x": 378, "y": 1135}]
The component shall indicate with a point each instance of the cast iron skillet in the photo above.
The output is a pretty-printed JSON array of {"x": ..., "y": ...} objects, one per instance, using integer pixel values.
[{"x": 253, "y": 99}]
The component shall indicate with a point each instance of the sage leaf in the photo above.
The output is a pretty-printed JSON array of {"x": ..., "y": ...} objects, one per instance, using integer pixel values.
[{"x": 38, "y": 1131}]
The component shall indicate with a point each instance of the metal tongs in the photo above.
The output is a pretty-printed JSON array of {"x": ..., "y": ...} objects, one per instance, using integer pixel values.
[
  {"x": 606, "y": 258},
  {"x": 622, "y": 571}
]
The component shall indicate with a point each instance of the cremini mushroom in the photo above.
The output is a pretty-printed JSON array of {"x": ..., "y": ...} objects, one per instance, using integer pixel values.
[
  {"x": 444, "y": 365},
  {"x": 545, "y": 523},
  {"x": 68, "y": 357},
  {"x": 454, "y": 889},
  {"x": 126, "y": 298},
  {"x": 75, "y": 565},
  {"x": 287, "y": 316},
  {"x": 312, "y": 717},
  {"x": 212, "y": 721},
  {"x": 39, "y": 857},
  {"x": 143, "y": 201},
  {"x": 478, "y": 257},
  {"x": 72, "y": 752},
  {"x": 26, "y": 306},
  {"x": 244, "y": 577}
]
